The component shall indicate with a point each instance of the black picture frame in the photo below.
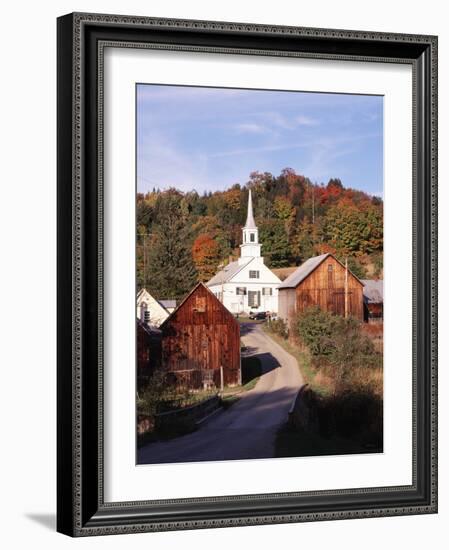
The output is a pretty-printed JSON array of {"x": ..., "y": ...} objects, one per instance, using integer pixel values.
[{"x": 81, "y": 510}]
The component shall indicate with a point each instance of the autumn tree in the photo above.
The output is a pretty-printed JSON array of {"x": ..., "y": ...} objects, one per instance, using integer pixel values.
[
  {"x": 206, "y": 256},
  {"x": 353, "y": 230},
  {"x": 297, "y": 219},
  {"x": 303, "y": 240},
  {"x": 275, "y": 246}
]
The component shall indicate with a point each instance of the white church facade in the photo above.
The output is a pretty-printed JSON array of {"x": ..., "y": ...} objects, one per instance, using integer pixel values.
[{"x": 247, "y": 285}]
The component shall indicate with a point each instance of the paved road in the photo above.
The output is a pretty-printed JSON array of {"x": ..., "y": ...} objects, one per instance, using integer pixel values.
[{"x": 248, "y": 428}]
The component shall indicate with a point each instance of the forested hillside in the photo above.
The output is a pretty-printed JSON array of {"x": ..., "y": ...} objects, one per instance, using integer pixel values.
[{"x": 185, "y": 237}]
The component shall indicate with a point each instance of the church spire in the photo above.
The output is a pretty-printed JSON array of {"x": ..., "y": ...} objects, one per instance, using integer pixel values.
[
  {"x": 250, "y": 247},
  {"x": 250, "y": 223}
]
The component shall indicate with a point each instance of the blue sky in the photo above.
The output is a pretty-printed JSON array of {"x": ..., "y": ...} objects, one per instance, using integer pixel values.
[{"x": 210, "y": 138}]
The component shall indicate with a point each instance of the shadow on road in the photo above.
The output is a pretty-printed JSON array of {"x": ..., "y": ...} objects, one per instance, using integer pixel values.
[
  {"x": 268, "y": 362},
  {"x": 247, "y": 328}
]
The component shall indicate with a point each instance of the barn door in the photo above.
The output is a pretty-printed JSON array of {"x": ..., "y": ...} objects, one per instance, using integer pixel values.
[{"x": 338, "y": 302}]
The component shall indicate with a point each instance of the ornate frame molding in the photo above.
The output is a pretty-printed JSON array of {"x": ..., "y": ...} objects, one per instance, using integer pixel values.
[{"x": 81, "y": 41}]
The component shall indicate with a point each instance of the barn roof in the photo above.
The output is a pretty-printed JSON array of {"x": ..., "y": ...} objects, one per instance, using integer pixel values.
[
  {"x": 305, "y": 269},
  {"x": 198, "y": 285},
  {"x": 227, "y": 273},
  {"x": 373, "y": 291}
]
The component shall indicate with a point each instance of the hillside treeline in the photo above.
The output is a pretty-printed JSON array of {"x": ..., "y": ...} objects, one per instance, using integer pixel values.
[{"x": 183, "y": 238}]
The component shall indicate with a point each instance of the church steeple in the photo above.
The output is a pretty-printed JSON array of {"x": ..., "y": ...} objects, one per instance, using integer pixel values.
[
  {"x": 250, "y": 223},
  {"x": 250, "y": 247}
]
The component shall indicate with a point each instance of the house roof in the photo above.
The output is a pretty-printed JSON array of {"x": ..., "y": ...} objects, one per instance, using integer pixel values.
[
  {"x": 164, "y": 304},
  {"x": 305, "y": 269},
  {"x": 227, "y": 273},
  {"x": 373, "y": 291},
  {"x": 167, "y": 304},
  {"x": 141, "y": 292}
]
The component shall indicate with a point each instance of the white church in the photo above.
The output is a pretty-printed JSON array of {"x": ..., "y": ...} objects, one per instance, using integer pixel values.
[{"x": 247, "y": 285}]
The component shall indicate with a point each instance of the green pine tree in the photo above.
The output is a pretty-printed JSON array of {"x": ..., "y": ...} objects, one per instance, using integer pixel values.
[{"x": 171, "y": 272}]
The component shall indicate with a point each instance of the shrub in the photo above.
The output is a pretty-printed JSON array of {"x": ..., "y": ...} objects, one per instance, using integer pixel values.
[
  {"x": 315, "y": 329},
  {"x": 339, "y": 348},
  {"x": 148, "y": 400},
  {"x": 326, "y": 334},
  {"x": 345, "y": 361},
  {"x": 279, "y": 327},
  {"x": 160, "y": 395}
]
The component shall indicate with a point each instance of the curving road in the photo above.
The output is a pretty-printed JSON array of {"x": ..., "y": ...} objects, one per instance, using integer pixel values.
[{"x": 248, "y": 428}]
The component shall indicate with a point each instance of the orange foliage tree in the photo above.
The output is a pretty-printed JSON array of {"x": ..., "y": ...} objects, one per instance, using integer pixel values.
[{"x": 206, "y": 256}]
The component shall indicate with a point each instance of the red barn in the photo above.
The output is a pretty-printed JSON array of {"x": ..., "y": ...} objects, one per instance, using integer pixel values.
[
  {"x": 321, "y": 281},
  {"x": 201, "y": 342}
]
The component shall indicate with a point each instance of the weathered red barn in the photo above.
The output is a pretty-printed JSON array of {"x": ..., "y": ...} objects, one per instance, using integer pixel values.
[
  {"x": 148, "y": 343},
  {"x": 201, "y": 342},
  {"x": 321, "y": 281}
]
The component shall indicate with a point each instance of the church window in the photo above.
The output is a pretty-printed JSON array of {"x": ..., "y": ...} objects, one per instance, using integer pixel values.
[
  {"x": 267, "y": 291},
  {"x": 241, "y": 290},
  {"x": 252, "y": 237},
  {"x": 254, "y": 274}
]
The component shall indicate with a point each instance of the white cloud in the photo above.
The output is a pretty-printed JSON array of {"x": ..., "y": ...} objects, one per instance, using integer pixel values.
[
  {"x": 250, "y": 128},
  {"x": 303, "y": 120}
]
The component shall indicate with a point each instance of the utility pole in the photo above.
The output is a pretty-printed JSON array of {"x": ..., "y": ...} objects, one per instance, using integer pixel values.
[
  {"x": 144, "y": 262},
  {"x": 313, "y": 204},
  {"x": 346, "y": 288}
]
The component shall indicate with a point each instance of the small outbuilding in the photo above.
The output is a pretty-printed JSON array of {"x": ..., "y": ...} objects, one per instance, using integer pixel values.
[
  {"x": 325, "y": 282},
  {"x": 201, "y": 342},
  {"x": 373, "y": 299},
  {"x": 148, "y": 344}
]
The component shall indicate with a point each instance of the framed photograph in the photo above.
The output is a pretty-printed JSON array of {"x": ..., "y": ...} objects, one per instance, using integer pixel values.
[{"x": 247, "y": 274}]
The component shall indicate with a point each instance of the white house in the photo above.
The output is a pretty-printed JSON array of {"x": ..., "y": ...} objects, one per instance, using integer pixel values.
[
  {"x": 149, "y": 309},
  {"x": 247, "y": 285}
]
